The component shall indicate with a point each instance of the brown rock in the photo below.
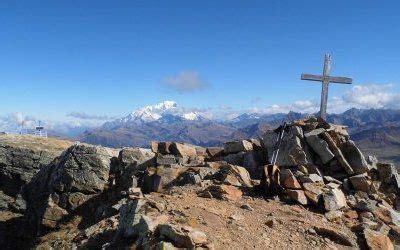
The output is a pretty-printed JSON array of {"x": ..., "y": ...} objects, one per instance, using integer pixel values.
[
  {"x": 225, "y": 192},
  {"x": 351, "y": 214},
  {"x": 200, "y": 151},
  {"x": 183, "y": 150},
  {"x": 162, "y": 177},
  {"x": 234, "y": 175},
  {"x": 360, "y": 183},
  {"x": 161, "y": 147},
  {"x": 288, "y": 180},
  {"x": 377, "y": 240},
  {"x": 297, "y": 195},
  {"x": 214, "y": 152},
  {"x": 52, "y": 214},
  {"x": 333, "y": 215},
  {"x": 154, "y": 146},
  {"x": 237, "y": 146},
  {"x": 313, "y": 191}
]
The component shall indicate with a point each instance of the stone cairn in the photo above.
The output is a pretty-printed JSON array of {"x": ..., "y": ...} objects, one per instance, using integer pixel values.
[{"x": 317, "y": 166}]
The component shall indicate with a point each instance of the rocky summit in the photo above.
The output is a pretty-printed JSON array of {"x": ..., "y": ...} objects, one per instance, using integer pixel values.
[{"x": 322, "y": 192}]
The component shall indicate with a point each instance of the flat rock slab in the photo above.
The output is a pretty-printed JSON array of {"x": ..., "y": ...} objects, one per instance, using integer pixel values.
[
  {"x": 237, "y": 146},
  {"x": 319, "y": 145}
]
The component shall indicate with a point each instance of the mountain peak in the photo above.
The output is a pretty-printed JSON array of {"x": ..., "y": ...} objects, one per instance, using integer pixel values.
[
  {"x": 165, "y": 109},
  {"x": 153, "y": 112}
]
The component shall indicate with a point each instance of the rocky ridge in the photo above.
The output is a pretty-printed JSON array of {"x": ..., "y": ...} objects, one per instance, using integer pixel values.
[
  {"x": 186, "y": 196},
  {"x": 20, "y": 159}
]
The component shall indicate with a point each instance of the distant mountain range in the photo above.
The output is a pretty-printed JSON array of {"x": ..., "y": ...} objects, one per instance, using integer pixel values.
[{"x": 377, "y": 131}]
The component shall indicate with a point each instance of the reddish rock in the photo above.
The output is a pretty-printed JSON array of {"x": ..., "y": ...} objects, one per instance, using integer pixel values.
[
  {"x": 313, "y": 191},
  {"x": 225, "y": 192},
  {"x": 161, "y": 147},
  {"x": 235, "y": 175},
  {"x": 200, "y": 151},
  {"x": 297, "y": 195},
  {"x": 289, "y": 180},
  {"x": 377, "y": 240},
  {"x": 361, "y": 183},
  {"x": 182, "y": 150}
]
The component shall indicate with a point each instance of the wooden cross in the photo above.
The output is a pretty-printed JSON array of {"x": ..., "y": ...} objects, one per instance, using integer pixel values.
[{"x": 326, "y": 79}]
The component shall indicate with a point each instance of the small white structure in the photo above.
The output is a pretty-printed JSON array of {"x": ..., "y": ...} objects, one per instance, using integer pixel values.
[{"x": 40, "y": 131}]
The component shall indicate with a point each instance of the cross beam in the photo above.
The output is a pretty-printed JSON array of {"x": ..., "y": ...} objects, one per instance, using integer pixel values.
[{"x": 325, "y": 78}]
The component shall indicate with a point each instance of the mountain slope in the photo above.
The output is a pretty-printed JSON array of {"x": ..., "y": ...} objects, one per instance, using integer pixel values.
[
  {"x": 383, "y": 141},
  {"x": 200, "y": 132}
]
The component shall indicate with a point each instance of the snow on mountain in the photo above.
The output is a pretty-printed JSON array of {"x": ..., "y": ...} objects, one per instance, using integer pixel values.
[
  {"x": 191, "y": 116},
  {"x": 165, "y": 109},
  {"x": 246, "y": 116},
  {"x": 152, "y": 112}
]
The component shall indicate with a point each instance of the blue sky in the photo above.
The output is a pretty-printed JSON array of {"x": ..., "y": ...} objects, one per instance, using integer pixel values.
[{"x": 107, "y": 58}]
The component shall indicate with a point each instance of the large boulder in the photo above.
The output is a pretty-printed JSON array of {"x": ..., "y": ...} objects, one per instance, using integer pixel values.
[
  {"x": 377, "y": 240},
  {"x": 130, "y": 215},
  {"x": 18, "y": 164},
  {"x": 160, "y": 178},
  {"x": 214, "y": 152},
  {"x": 388, "y": 174},
  {"x": 182, "y": 237},
  {"x": 313, "y": 191},
  {"x": 183, "y": 149},
  {"x": 354, "y": 157},
  {"x": 78, "y": 175},
  {"x": 297, "y": 195},
  {"x": 161, "y": 147},
  {"x": 254, "y": 161},
  {"x": 222, "y": 192},
  {"x": 334, "y": 199},
  {"x": 293, "y": 151},
  {"x": 233, "y": 175},
  {"x": 361, "y": 182},
  {"x": 319, "y": 145},
  {"x": 234, "y": 147},
  {"x": 288, "y": 180},
  {"x": 341, "y": 160},
  {"x": 132, "y": 163}
]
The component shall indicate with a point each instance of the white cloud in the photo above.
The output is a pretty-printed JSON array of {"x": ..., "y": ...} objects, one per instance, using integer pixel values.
[
  {"x": 86, "y": 116},
  {"x": 372, "y": 96},
  {"x": 185, "y": 82},
  {"x": 13, "y": 122},
  {"x": 359, "y": 96}
]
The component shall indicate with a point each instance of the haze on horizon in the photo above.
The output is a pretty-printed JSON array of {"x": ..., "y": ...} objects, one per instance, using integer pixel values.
[{"x": 88, "y": 62}]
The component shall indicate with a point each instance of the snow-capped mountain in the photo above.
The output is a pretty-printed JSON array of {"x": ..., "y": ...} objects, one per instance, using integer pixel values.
[
  {"x": 165, "y": 112},
  {"x": 152, "y": 112},
  {"x": 157, "y": 111},
  {"x": 165, "y": 121}
]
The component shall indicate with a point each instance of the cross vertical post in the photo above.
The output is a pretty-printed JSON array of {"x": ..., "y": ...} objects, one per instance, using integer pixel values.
[
  {"x": 325, "y": 85},
  {"x": 326, "y": 79}
]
